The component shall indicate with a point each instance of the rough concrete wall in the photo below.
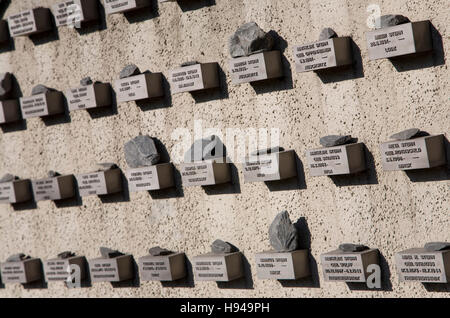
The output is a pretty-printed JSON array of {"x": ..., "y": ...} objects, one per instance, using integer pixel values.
[{"x": 390, "y": 211}]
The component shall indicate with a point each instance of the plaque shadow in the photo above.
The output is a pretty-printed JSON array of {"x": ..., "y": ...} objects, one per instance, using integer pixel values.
[
  {"x": 74, "y": 201},
  {"x": 3, "y": 6},
  {"x": 412, "y": 62},
  {"x": 27, "y": 205},
  {"x": 100, "y": 112},
  {"x": 123, "y": 196},
  {"x": 157, "y": 103},
  {"x": 276, "y": 84},
  {"x": 58, "y": 119},
  {"x": 86, "y": 282},
  {"x": 232, "y": 187},
  {"x": 135, "y": 282},
  {"x": 47, "y": 36},
  {"x": 8, "y": 46},
  {"x": 96, "y": 25},
  {"x": 186, "y": 282},
  {"x": 16, "y": 94},
  {"x": 304, "y": 239},
  {"x": 366, "y": 177},
  {"x": 294, "y": 183},
  {"x": 437, "y": 287},
  {"x": 143, "y": 14},
  {"x": 432, "y": 174},
  {"x": 246, "y": 281},
  {"x": 346, "y": 72},
  {"x": 207, "y": 95},
  {"x": 190, "y": 5},
  {"x": 177, "y": 190},
  {"x": 39, "y": 284}
]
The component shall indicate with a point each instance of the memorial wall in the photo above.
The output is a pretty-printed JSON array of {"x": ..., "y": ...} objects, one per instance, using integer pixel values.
[{"x": 334, "y": 130}]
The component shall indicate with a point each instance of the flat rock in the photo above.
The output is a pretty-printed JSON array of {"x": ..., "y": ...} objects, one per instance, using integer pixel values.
[
  {"x": 204, "y": 149},
  {"x": 283, "y": 234},
  {"x": 17, "y": 258},
  {"x": 437, "y": 246},
  {"x": 189, "y": 63},
  {"x": 5, "y": 85},
  {"x": 141, "y": 152},
  {"x": 7, "y": 178},
  {"x": 52, "y": 174},
  {"x": 109, "y": 253},
  {"x": 267, "y": 151},
  {"x": 326, "y": 34},
  {"x": 390, "y": 20},
  {"x": 221, "y": 247},
  {"x": 65, "y": 255},
  {"x": 348, "y": 247},
  {"x": 86, "y": 81},
  {"x": 405, "y": 134},
  {"x": 158, "y": 251},
  {"x": 334, "y": 140},
  {"x": 250, "y": 39},
  {"x": 105, "y": 166},
  {"x": 129, "y": 70},
  {"x": 41, "y": 89}
]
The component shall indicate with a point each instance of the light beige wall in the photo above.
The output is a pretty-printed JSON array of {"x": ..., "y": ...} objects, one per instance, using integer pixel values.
[{"x": 384, "y": 210}]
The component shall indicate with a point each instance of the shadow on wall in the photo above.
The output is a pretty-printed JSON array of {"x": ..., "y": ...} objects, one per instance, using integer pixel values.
[
  {"x": 295, "y": 183},
  {"x": 339, "y": 74},
  {"x": 59, "y": 119},
  {"x": 143, "y": 14},
  {"x": 189, "y": 5},
  {"x": 48, "y": 36},
  {"x": 276, "y": 84},
  {"x": 208, "y": 95},
  {"x": 122, "y": 196},
  {"x": 245, "y": 282},
  {"x": 135, "y": 282},
  {"x": 39, "y": 284},
  {"x": 437, "y": 288},
  {"x": 75, "y": 201},
  {"x": 100, "y": 112},
  {"x": 187, "y": 282},
  {"x": 425, "y": 60},
  {"x": 94, "y": 26},
  {"x": 8, "y": 46},
  {"x": 161, "y": 102},
  {"x": 16, "y": 94}
]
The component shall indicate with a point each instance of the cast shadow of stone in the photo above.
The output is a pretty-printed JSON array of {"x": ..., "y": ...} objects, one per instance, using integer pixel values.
[
  {"x": 343, "y": 73},
  {"x": 143, "y": 14},
  {"x": 423, "y": 60},
  {"x": 96, "y": 25},
  {"x": 220, "y": 92},
  {"x": 122, "y": 196},
  {"x": 39, "y": 284},
  {"x": 276, "y": 84},
  {"x": 245, "y": 282},
  {"x": 100, "y": 112},
  {"x": 186, "y": 282},
  {"x": 386, "y": 284},
  {"x": 432, "y": 174},
  {"x": 232, "y": 187},
  {"x": 304, "y": 239},
  {"x": 367, "y": 177},
  {"x": 58, "y": 119},
  {"x": 22, "y": 123},
  {"x": 135, "y": 282},
  {"x": 294, "y": 183},
  {"x": 47, "y": 36},
  {"x": 161, "y": 102},
  {"x": 75, "y": 201},
  {"x": 190, "y": 5},
  {"x": 177, "y": 190}
]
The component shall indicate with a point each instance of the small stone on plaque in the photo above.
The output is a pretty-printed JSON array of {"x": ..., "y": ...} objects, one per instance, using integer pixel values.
[
  {"x": 105, "y": 166},
  {"x": 437, "y": 246},
  {"x": 65, "y": 255},
  {"x": 335, "y": 140},
  {"x": 17, "y": 258},
  {"x": 52, "y": 174},
  {"x": 86, "y": 81},
  {"x": 348, "y": 247},
  {"x": 41, "y": 89},
  {"x": 7, "y": 178},
  {"x": 129, "y": 70},
  {"x": 283, "y": 234},
  {"x": 158, "y": 251},
  {"x": 189, "y": 63},
  {"x": 326, "y": 34},
  {"x": 109, "y": 253},
  {"x": 406, "y": 134},
  {"x": 390, "y": 20},
  {"x": 221, "y": 247},
  {"x": 250, "y": 39},
  {"x": 266, "y": 151},
  {"x": 5, "y": 85},
  {"x": 141, "y": 152}
]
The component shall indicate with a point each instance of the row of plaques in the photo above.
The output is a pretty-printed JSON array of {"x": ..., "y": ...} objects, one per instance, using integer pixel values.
[
  {"x": 413, "y": 265},
  {"x": 418, "y": 153}
]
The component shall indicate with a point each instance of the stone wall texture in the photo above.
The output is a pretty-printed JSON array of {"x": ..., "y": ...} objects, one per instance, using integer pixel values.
[{"x": 391, "y": 211}]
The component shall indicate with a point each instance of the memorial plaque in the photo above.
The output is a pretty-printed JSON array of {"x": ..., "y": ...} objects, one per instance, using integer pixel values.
[
  {"x": 118, "y": 6},
  {"x": 71, "y": 12},
  {"x": 30, "y": 22},
  {"x": 283, "y": 265},
  {"x": 420, "y": 265},
  {"x": 194, "y": 77},
  {"x": 57, "y": 188},
  {"x": 162, "y": 268},
  {"x": 40, "y": 105},
  {"x": 270, "y": 167},
  {"x": 59, "y": 269},
  {"x": 22, "y": 272},
  {"x": 15, "y": 192},
  {"x": 204, "y": 173},
  {"x": 4, "y": 32},
  {"x": 115, "y": 269},
  {"x": 256, "y": 67},
  {"x": 417, "y": 153},
  {"x": 345, "y": 159},
  {"x": 218, "y": 267},
  {"x": 150, "y": 178},
  {"x": 139, "y": 87},
  {"x": 10, "y": 111},
  {"x": 99, "y": 183},
  {"x": 403, "y": 39},
  {"x": 339, "y": 266},
  {"x": 2, "y": 114},
  {"x": 89, "y": 96}
]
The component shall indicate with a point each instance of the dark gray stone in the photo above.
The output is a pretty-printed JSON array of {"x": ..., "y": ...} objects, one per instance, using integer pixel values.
[
  {"x": 158, "y": 251},
  {"x": 5, "y": 85},
  {"x": 109, "y": 253},
  {"x": 283, "y": 234},
  {"x": 266, "y": 151},
  {"x": 141, "y": 152},
  {"x": 105, "y": 166},
  {"x": 406, "y": 134},
  {"x": 7, "y": 178},
  {"x": 65, "y": 255},
  {"x": 86, "y": 81},
  {"x": 18, "y": 258},
  {"x": 250, "y": 39},
  {"x": 334, "y": 140},
  {"x": 326, "y": 34},
  {"x": 189, "y": 63},
  {"x": 129, "y": 70},
  {"x": 348, "y": 247},
  {"x": 390, "y": 20},
  {"x": 52, "y": 174},
  {"x": 41, "y": 89},
  {"x": 221, "y": 247},
  {"x": 437, "y": 246},
  {"x": 204, "y": 149}
]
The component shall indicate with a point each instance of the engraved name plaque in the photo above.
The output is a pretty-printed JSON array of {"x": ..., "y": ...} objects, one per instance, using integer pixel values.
[
  {"x": 270, "y": 167},
  {"x": 89, "y": 96},
  {"x": 218, "y": 267},
  {"x": 194, "y": 77},
  {"x": 99, "y": 183},
  {"x": 72, "y": 12},
  {"x": 111, "y": 269},
  {"x": 139, "y": 87},
  {"x": 283, "y": 266},
  {"x": 15, "y": 192},
  {"x": 204, "y": 173},
  {"x": 57, "y": 188},
  {"x": 256, "y": 67},
  {"x": 30, "y": 22},
  {"x": 42, "y": 105},
  {"x": 22, "y": 272},
  {"x": 162, "y": 268},
  {"x": 150, "y": 178},
  {"x": 118, "y": 6},
  {"x": 58, "y": 269}
]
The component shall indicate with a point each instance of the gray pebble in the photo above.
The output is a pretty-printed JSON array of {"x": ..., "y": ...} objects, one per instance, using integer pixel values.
[
  {"x": 65, "y": 255},
  {"x": 86, "y": 81},
  {"x": 52, "y": 174},
  {"x": 105, "y": 166},
  {"x": 406, "y": 134},
  {"x": 109, "y": 253},
  {"x": 266, "y": 151},
  {"x": 334, "y": 140},
  {"x": 437, "y": 246},
  {"x": 129, "y": 70},
  {"x": 141, "y": 151},
  {"x": 283, "y": 234},
  {"x": 250, "y": 39},
  {"x": 158, "y": 251},
  {"x": 221, "y": 247},
  {"x": 41, "y": 89},
  {"x": 5, "y": 85},
  {"x": 7, "y": 178},
  {"x": 326, "y": 34},
  {"x": 17, "y": 258},
  {"x": 189, "y": 63},
  {"x": 348, "y": 247},
  {"x": 390, "y": 20}
]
